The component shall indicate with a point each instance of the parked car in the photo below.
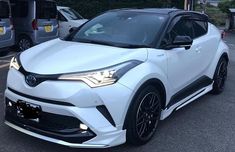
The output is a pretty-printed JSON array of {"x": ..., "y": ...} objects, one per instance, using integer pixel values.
[
  {"x": 115, "y": 78},
  {"x": 35, "y": 21},
  {"x": 7, "y": 36},
  {"x": 68, "y": 19}
]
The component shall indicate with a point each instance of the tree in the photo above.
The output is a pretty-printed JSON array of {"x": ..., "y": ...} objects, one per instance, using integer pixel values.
[{"x": 226, "y": 4}]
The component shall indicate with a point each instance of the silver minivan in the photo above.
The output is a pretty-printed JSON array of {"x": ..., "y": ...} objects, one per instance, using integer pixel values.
[
  {"x": 35, "y": 21},
  {"x": 7, "y": 37}
]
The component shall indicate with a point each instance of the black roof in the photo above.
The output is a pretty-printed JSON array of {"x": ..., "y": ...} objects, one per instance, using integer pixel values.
[{"x": 166, "y": 11}]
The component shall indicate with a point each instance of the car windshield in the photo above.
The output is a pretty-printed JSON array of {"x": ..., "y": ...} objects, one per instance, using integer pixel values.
[
  {"x": 122, "y": 29},
  {"x": 71, "y": 14},
  {"x": 4, "y": 10}
]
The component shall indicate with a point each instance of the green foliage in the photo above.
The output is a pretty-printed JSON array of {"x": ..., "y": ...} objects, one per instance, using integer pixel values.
[
  {"x": 90, "y": 8},
  {"x": 226, "y": 4},
  {"x": 216, "y": 16}
]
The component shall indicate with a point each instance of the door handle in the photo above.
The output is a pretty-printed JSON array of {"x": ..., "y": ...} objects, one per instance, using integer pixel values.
[{"x": 198, "y": 49}]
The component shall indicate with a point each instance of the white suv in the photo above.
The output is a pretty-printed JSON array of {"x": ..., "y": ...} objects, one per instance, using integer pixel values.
[{"x": 113, "y": 79}]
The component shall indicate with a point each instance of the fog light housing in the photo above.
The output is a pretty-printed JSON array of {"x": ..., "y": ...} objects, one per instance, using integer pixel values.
[{"x": 83, "y": 127}]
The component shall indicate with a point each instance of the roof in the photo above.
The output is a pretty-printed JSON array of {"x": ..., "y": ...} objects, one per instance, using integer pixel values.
[
  {"x": 232, "y": 10},
  {"x": 156, "y": 10}
]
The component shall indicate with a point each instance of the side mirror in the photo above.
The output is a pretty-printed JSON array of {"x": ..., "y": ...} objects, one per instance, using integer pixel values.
[
  {"x": 182, "y": 41},
  {"x": 73, "y": 29}
]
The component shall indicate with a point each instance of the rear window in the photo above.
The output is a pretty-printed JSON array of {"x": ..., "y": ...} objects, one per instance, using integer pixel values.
[
  {"x": 4, "y": 10},
  {"x": 46, "y": 10},
  {"x": 19, "y": 9},
  {"x": 71, "y": 14}
]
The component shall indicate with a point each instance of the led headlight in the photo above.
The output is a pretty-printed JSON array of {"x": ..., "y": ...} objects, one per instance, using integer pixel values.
[
  {"x": 102, "y": 77},
  {"x": 15, "y": 62}
]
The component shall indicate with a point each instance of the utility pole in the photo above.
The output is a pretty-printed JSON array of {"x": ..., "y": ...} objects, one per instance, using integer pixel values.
[{"x": 189, "y": 5}]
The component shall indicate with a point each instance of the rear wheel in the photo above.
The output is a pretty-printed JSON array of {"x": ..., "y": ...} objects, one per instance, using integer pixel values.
[
  {"x": 24, "y": 43},
  {"x": 220, "y": 76},
  {"x": 143, "y": 116}
]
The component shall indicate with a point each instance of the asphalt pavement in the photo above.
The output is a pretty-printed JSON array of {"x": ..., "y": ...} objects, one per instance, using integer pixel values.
[{"x": 206, "y": 125}]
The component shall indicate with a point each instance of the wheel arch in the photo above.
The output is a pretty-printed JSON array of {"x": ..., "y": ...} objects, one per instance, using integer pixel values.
[{"x": 158, "y": 84}]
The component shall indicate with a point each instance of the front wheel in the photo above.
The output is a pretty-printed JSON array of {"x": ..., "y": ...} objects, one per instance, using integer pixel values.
[
  {"x": 143, "y": 116},
  {"x": 220, "y": 76}
]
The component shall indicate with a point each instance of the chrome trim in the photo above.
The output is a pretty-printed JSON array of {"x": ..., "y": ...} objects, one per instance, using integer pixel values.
[{"x": 60, "y": 142}]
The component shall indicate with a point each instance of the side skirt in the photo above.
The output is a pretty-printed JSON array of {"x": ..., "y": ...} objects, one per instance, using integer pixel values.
[{"x": 190, "y": 98}]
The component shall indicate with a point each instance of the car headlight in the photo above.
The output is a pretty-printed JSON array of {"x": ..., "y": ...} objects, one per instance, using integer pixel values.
[
  {"x": 15, "y": 63},
  {"x": 102, "y": 77}
]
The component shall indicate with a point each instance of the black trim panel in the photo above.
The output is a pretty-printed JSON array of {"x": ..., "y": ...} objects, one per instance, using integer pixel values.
[
  {"x": 104, "y": 111},
  {"x": 66, "y": 128},
  {"x": 41, "y": 99},
  {"x": 190, "y": 89}
]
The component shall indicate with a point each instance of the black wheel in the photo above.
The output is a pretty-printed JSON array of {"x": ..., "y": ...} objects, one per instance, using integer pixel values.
[
  {"x": 143, "y": 116},
  {"x": 220, "y": 76},
  {"x": 24, "y": 43}
]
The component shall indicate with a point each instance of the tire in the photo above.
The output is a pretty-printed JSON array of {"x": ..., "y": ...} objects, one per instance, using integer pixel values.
[
  {"x": 220, "y": 76},
  {"x": 143, "y": 116},
  {"x": 24, "y": 43}
]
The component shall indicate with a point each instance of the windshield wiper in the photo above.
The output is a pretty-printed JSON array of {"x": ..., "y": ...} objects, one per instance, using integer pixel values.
[
  {"x": 96, "y": 42},
  {"x": 122, "y": 45}
]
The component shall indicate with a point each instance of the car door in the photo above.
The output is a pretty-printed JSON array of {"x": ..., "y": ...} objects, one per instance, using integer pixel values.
[
  {"x": 206, "y": 44},
  {"x": 64, "y": 25},
  {"x": 5, "y": 24},
  {"x": 183, "y": 68}
]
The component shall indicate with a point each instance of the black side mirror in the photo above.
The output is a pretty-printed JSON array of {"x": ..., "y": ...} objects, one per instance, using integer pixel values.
[
  {"x": 73, "y": 29},
  {"x": 183, "y": 41}
]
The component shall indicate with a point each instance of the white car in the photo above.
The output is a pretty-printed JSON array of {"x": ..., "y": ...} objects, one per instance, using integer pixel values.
[
  {"x": 68, "y": 19},
  {"x": 112, "y": 80}
]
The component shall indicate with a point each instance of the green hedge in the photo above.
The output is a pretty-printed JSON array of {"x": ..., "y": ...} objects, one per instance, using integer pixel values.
[{"x": 90, "y": 8}]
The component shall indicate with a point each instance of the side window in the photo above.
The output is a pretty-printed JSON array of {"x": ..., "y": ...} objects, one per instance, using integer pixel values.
[
  {"x": 200, "y": 28},
  {"x": 20, "y": 9},
  {"x": 61, "y": 17},
  {"x": 182, "y": 28}
]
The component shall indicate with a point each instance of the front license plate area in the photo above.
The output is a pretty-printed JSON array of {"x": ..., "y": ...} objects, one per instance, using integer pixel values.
[{"x": 28, "y": 111}]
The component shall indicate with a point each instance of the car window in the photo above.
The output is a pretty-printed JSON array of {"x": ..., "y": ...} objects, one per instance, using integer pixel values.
[
  {"x": 126, "y": 28},
  {"x": 71, "y": 14},
  {"x": 19, "y": 9},
  {"x": 182, "y": 28},
  {"x": 200, "y": 28},
  {"x": 46, "y": 10},
  {"x": 4, "y": 10},
  {"x": 61, "y": 17}
]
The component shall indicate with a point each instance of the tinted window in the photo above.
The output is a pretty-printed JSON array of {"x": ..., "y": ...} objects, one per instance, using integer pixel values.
[
  {"x": 61, "y": 17},
  {"x": 182, "y": 28},
  {"x": 4, "y": 10},
  {"x": 19, "y": 9},
  {"x": 46, "y": 10},
  {"x": 200, "y": 28},
  {"x": 122, "y": 28},
  {"x": 71, "y": 14}
]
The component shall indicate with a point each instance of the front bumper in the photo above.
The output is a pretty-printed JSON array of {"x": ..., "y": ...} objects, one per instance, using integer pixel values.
[{"x": 76, "y": 100}]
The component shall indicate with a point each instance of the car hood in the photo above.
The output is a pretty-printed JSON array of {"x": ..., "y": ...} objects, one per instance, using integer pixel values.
[{"x": 58, "y": 56}]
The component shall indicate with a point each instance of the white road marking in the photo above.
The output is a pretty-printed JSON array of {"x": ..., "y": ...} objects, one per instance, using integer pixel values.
[{"x": 4, "y": 65}]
